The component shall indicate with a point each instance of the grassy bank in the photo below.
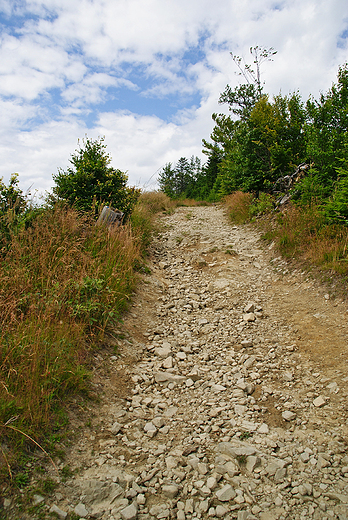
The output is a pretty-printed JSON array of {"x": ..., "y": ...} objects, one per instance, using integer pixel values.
[
  {"x": 64, "y": 281},
  {"x": 302, "y": 233}
]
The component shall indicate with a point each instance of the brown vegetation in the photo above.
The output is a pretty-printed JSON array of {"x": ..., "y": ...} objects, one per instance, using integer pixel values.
[
  {"x": 63, "y": 282},
  {"x": 299, "y": 233}
]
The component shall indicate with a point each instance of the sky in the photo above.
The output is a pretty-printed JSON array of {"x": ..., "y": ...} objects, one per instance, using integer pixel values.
[{"x": 145, "y": 74}]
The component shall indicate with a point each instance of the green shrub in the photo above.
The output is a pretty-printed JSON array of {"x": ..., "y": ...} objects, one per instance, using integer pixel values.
[
  {"x": 12, "y": 206},
  {"x": 261, "y": 205},
  {"x": 91, "y": 182},
  {"x": 336, "y": 208}
]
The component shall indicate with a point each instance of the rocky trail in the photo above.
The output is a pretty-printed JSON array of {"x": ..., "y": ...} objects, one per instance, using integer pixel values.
[{"x": 227, "y": 397}]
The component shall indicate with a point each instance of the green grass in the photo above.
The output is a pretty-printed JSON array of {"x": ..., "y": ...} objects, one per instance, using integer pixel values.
[{"x": 64, "y": 281}]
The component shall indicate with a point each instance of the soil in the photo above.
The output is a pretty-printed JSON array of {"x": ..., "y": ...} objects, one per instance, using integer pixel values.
[{"x": 301, "y": 322}]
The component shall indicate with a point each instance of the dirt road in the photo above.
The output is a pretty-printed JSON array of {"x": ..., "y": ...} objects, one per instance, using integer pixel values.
[{"x": 227, "y": 398}]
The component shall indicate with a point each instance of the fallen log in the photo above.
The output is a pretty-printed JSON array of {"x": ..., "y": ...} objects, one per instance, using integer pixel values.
[{"x": 283, "y": 185}]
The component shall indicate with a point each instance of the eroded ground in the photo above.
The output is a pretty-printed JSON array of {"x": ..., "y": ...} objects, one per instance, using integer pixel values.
[{"x": 227, "y": 397}]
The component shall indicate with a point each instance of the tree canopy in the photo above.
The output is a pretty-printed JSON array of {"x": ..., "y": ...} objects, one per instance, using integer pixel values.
[{"x": 264, "y": 138}]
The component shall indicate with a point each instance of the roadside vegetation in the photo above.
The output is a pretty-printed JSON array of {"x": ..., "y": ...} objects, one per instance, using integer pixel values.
[
  {"x": 65, "y": 280},
  {"x": 298, "y": 233},
  {"x": 255, "y": 149}
]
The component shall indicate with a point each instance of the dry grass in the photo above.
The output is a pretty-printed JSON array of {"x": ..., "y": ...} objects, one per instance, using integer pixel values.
[
  {"x": 238, "y": 206},
  {"x": 156, "y": 202},
  {"x": 303, "y": 234},
  {"x": 62, "y": 282},
  {"x": 299, "y": 233}
]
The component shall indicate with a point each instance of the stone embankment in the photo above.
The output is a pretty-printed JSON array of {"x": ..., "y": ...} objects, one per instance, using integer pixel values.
[{"x": 228, "y": 398}]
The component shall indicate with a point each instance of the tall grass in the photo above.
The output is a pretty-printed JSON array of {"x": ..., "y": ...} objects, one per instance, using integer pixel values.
[
  {"x": 238, "y": 206},
  {"x": 302, "y": 232},
  {"x": 144, "y": 213},
  {"x": 62, "y": 282}
]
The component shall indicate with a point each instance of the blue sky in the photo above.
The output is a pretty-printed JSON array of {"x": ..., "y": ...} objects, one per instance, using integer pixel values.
[{"x": 146, "y": 74}]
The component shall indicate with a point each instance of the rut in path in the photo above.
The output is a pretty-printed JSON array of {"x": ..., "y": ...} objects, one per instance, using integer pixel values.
[{"x": 228, "y": 398}]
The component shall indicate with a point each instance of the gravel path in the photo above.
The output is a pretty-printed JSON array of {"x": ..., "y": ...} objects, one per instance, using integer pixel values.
[{"x": 228, "y": 397}]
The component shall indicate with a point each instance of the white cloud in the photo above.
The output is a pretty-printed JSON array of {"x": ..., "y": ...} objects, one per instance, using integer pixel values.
[
  {"x": 92, "y": 89},
  {"x": 74, "y": 54}
]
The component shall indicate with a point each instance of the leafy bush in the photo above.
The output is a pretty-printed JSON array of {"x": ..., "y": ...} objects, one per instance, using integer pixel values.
[
  {"x": 12, "y": 206},
  {"x": 311, "y": 190},
  {"x": 337, "y": 207},
  {"x": 91, "y": 182},
  {"x": 261, "y": 205}
]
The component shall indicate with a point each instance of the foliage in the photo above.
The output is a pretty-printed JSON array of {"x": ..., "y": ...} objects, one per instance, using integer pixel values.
[
  {"x": 177, "y": 180},
  {"x": 311, "y": 191},
  {"x": 91, "y": 182},
  {"x": 63, "y": 281},
  {"x": 336, "y": 208},
  {"x": 264, "y": 140},
  {"x": 327, "y": 129},
  {"x": 264, "y": 204},
  {"x": 12, "y": 206}
]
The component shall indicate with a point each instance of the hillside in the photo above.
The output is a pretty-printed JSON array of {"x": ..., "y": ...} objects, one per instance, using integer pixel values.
[{"x": 227, "y": 397}]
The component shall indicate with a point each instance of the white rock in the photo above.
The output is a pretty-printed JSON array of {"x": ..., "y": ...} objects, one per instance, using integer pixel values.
[
  {"x": 202, "y": 468},
  {"x": 250, "y": 316},
  {"x": 288, "y": 416},
  {"x": 218, "y": 388},
  {"x": 158, "y": 422},
  {"x": 171, "y": 462},
  {"x": 130, "y": 512},
  {"x": 37, "y": 499},
  {"x": 251, "y": 462},
  {"x": 163, "y": 352},
  {"x": 240, "y": 409},
  {"x": 150, "y": 429},
  {"x": 319, "y": 401},
  {"x": 166, "y": 377},
  {"x": 333, "y": 387},
  {"x": 58, "y": 511},
  {"x": 81, "y": 510},
  {"x": 221, "y": 511},
  {"x": 141, "y": 499},
  {"x": 263, "y": 428},
  {"x": 193, "y": 462},
  {"x": 249, "y": 362},
  {"x": 189, "y": 506},
  {"x": 226, "y": 493},
  {"x": 168, "y": 362},
  {"x": 115, "y": 428},
  {"x": 211, "y": 482},
  {"x": 170, "y": 490}
]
